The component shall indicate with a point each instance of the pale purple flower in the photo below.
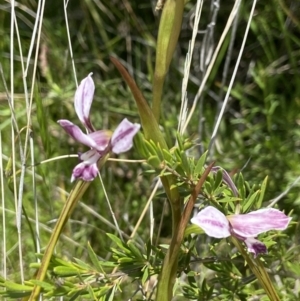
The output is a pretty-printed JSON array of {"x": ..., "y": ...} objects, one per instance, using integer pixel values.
[
  {"x": 101, "y": 142},
  {"x": 245, "y": 227}
]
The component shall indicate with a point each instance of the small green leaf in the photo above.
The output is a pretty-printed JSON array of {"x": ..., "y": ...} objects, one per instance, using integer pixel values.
[
  {"x": 125, "y": 259},
  {"x": 250, "y": 201},
  {"x": 82, "y": 265},
  {"x": 151, "y": 148},
  {"x": 218, "y": 179},
  {"x": 35, "y": 265},
  {"x": 208, "y": 188},
  {"x": 94, "y": 259},
  {"x": 145, "y": 275},
  {"x": 139, "y": 144},
  {"x": 66, "y": 271},
  {"x": 262, "y": 192},
  {"x": 119, "y": 243},
  {"x": 45, "y": 285},
  {"x": 76, "y": 293},
  {"x": 135, "y": 251},
  {"x": 200, "y": 164},
  {"x": 91, "y": 293},
  {"x": 192, "y": 229},
  {"x": 17, "y": 287},
  {"x": 154, "y": 161},
  {"x": 241, "y": 186},
  {"x": 167, "y": 156},
  {"x": 112, "y": 294},
  {"x": 185, "y": 163}
]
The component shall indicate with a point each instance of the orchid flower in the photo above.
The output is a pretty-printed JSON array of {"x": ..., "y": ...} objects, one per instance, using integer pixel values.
[
  {"x": 245, "y": 227},
  {"x": 101, "y": 142}
]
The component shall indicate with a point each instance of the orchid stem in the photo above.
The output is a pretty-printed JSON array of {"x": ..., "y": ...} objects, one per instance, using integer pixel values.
[
  {"x": 67, "y": 210},
  {"x": 169, "y": 269},
  {"x": 259, "y": 271}
]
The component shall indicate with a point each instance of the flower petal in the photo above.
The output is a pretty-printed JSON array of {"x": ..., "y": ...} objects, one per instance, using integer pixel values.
[
  {"x": 85, "y": 172},
  {"x": 75, "y": 132},
  {"x": 83, "y": 101},
  {"x": 122, "y": 137},
  {"x": 98, "y": 140},
  {"x": 88, "y": 169},
  {"x": 101, "y": 139},
  {"x": 256, "y": 222},
  {"x": 90, "y": 157},
  {"x": 213, "y": 222},
  {"x": 255, "y": 246}
]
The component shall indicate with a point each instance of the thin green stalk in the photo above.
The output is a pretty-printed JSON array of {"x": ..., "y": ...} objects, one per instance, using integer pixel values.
[
  {"x": 74, "y": 197},
  {"x": 259, "y": 271},
  {"x": 67, "y": 210},
  {"x": 169, "y": 269}
]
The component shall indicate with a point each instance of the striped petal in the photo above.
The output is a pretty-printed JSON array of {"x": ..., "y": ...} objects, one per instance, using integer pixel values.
[
  {"x": 256, "y": 222},
  {"x": 122, "y": 138},
  {"x": 255, "y": 246},
  {"x": 213, "y": 222},
  {"x": 97, "y": 140},
  {"x": 83, "y": 100},
  {"x": 87, "y": 170}
]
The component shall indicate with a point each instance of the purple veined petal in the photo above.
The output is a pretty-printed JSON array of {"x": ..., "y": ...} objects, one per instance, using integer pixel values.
[
  {"x": 87, "y": 170},
  {"x": 83, "y": 101},
  {"x": 90, "y": 157},
  {"x": 255, "y": 246},
  {"x": 101, "y": 139},
  {"x": 121, "y": 140},
  {"x": 213, "y": 222},
  {"x": 76, "y": 133},
  {"x": 256, "y": 222}
]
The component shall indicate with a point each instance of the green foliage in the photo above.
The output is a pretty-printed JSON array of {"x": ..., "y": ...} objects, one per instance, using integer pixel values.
[{"x": 257, "y": 143}]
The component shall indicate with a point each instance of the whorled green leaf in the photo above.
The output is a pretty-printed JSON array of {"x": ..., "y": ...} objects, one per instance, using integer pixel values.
[
  {"x": 218, "y": 178},
  {"x": 154, "y": 161},
  {"x": 185, "y": 163},
  {"x": 241, "y": 186},
  {"x": 12, "y": 286},
  {"x": 262, "y": 192},
  {"x": 82, "y": 265},
  {"x": 192, "y": 229},
  {"x": 200, "y": 165},
  {"x": 119, "y": 243},
  {"x": 64, "y": 271},
  {"x": 43, "y": 284},
  {"x": 94, "y": 259},
  {"x": 146, "y": 275},
  {"x": 251, "y": 200},
  {"x": 135, "y": 250}
]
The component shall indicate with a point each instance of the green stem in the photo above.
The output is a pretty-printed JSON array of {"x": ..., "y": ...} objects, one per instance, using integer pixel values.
[
  {"x": 67, "y": 210},
  {"x": 259, "y": 271},
  {"x": 169, "y": 269}
]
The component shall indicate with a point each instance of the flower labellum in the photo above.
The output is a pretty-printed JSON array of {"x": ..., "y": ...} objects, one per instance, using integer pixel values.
[
  {"x": 101, "y": 142},
  {"x": 243, "y": 226}
]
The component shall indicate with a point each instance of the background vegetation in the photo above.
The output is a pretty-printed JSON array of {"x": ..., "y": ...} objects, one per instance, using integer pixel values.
[{"x": 259, "y": 132}]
